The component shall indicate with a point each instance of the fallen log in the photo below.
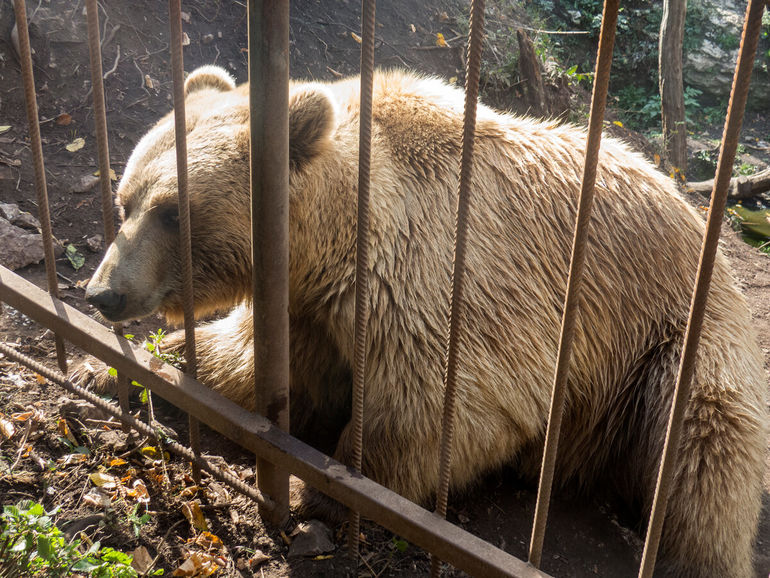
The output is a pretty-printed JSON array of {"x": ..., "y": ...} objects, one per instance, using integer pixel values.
[{"x": 743, "y": 187}]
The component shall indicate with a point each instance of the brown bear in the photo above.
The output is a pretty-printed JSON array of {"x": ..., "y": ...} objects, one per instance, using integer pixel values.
[{"x": 643, "y": 252}]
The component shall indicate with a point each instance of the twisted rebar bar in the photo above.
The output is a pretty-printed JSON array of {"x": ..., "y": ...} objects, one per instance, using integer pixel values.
[
  {"x": 36, "y": 145},
  {"x": 368, "y": 8},
  {"x": 574, "y": 281},
  {"x": 458, "y": 275}
]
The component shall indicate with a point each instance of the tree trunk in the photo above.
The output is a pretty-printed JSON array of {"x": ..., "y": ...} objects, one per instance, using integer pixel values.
[
  {"x": 671, "y": 85},
  {"x": 532, "y": 80},
  {"x": 744, "y": 187}
]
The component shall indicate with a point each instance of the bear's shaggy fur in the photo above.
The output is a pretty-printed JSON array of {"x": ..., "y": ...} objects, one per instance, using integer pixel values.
[{"x": 641, "y": 264}]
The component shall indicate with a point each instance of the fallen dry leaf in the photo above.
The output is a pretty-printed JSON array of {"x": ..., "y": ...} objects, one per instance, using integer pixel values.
[
  {"x": 198, "y": 564},
  {"x": 64, "y": 119},
  {"x": 7, "y": 429},
  {"x": 142, "y": 561},
  {"x": 22, "y": 416},
  {"x": 64, "y": 430},
  {"x": 97, "y": 498},
  {"x": 139, "y": 492},
  {"x": 102, "y": 480},
  {"x": 440, "y": 41},
  {"x": 209, "y": 542},
  {"x": 192, "y": 511},
  {"x": 4, "y": 128},
  {"x": 355, "y": 37},
  {"x": 76, "y": 145}
]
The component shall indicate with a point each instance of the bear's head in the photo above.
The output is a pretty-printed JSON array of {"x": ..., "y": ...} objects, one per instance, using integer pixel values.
[{"x": 141, "y": 271}]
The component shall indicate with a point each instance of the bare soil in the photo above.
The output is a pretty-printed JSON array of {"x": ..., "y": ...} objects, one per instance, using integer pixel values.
[{"x": 587, "y": 536}]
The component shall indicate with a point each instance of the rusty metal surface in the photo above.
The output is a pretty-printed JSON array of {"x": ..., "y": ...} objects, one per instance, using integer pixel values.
[
  {"x": 256, "y": 434},
  {"x": 456, "y": 303},
  {"x": 100, "y": 119},
  {"x": 738, "y": 97},
  {"x": 36, "y": 145},
  {"x": 269, "y": 102},
  {"x": 368, "y": 8},
  {"x": 185, "y": 242},
  {"x": 102, "y": 143},
  {"x": 574, "y": 281}
]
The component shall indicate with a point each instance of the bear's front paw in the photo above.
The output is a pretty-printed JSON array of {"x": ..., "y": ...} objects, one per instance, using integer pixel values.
[
  {"x": 96, "y": 376},
  {"x": 308, "y": 503}
]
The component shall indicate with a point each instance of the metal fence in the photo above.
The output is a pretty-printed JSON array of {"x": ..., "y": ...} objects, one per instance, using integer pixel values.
[{"x": 265, "y": 433}]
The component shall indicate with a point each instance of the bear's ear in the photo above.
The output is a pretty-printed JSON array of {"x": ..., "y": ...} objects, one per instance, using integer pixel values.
[
  {"x": 312, "y": 117},
  {"x": 208, "y": 77}
]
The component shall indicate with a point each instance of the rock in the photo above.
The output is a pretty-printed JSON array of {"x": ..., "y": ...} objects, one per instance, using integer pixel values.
[
  {"x": 13, "y": 214},
  {"x": 85, "y": 184},
  {"x": 311, "y": 538},
  {"x": 709, "y": 64},
  {"x": 80, "y": 409},
  {"x": 94, "y": 243},
  {"x": 19, "y": 248}
]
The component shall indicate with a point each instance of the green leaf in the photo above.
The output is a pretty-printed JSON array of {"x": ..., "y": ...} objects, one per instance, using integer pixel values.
[
  {"x": 112, "y": 372},
  {"x": 44, "y": 549},
  {"x": 75, "y": 257},
  {"x": 86, "y": 565}
]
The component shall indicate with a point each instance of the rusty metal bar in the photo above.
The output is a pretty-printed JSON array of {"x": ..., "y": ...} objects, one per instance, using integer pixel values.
[
  {"x": 256, "y": 434},
  {"x": 41, "y": 189},
  {"x": 732, "y": 130},
  {"x": 269, "y": 105},
  {"x": 574, "y": 281},
  {"x": 456, "y": 303},
  {"x": 102, "y": 142},
  {"x": 368, "y": 8},
  {"x": 100, "y": 119},
  {"x": 185, "y": 241},
  {"x": 138, "y": 425}
]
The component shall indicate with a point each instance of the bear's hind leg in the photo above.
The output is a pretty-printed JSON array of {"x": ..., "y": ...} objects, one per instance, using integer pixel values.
[{"x": 715, "y": 500}]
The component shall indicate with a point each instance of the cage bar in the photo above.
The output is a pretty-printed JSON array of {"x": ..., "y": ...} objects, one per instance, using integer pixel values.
[
  {"x": 472, "y": 75},
  {"x": 269, "y": 118},
  {"x": 36, "y": 144},
  {"x": 185, "y": 241},
  {"x": 574, "y": 281},
  {"x": 102, "y": 143},
  {"x": 368, "y": 8}
]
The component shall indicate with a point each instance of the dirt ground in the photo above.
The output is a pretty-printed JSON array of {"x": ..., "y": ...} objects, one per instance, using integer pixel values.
[{"x": 587, "y": 536}]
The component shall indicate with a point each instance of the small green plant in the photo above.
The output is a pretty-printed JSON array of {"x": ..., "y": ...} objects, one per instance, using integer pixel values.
[
  {"x": 32, "y": 545},
  {"x": 579, "y": 77},
  {"x": 153, "y": 345},
  {"x": 138, "y": 521},
  {"x": 745, "y": 169}
]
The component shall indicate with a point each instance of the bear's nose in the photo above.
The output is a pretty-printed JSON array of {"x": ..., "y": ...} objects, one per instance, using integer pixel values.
[{"x": 109, "y": 302}]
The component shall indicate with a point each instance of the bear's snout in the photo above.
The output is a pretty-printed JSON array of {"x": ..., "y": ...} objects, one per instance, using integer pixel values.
[{"x": 110, "y": 303}]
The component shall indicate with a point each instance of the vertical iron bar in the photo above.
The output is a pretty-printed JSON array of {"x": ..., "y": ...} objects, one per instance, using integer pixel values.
[
  {"x": 574, "y": 281},
  {"x": 738, "y": 97},
  {"x": 368, "y": 8},
  {"x": 269, "y": 117},
  {"x": 458, "y": 274},
  {"x": 30, "y": 99},
  {"x": 100, "y": 127},
  {"x": 185, "y": 241}
]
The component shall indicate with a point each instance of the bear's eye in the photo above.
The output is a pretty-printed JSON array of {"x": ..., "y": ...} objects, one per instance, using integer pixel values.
[{"x": 170, "y": 218}]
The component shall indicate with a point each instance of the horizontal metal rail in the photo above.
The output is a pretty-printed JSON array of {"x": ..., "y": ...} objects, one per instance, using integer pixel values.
[{"x": 256, "y": 434}]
